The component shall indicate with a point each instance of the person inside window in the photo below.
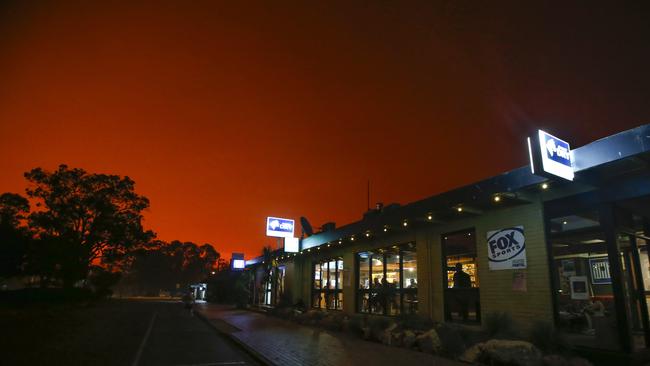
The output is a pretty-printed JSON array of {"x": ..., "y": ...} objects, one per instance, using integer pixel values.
[
  {"x": 412, "y": 283},
  {"x": 462, "y": 281}
]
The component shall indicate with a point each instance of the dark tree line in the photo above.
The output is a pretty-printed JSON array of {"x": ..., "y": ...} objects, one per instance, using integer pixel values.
[
  {"x": 168, "y": 267},
  {"x": 76, "y": 228}
]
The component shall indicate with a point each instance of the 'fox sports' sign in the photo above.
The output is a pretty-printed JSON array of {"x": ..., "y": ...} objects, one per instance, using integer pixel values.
[
  {"x": 507, "y": 248},
  {"x": 279, "y": 227}
]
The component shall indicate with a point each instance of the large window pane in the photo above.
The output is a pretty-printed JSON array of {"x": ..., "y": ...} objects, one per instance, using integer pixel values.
[
  {"x": 585, "y": 299},
  {"x": 363, "y": 286},
  {"x": 339, "y": 281},
  {"x": 410, "y": 269},
  {"x": 377, "y": 295},
  {"x": 377, "y": 270},
  {"x": 382, "y": 274},
  {"x": 461, "y": 277},
  {"x": 331, "y": 283},
  {"x": 317, "y": 276},
  {"x": 364, "y": 270},
  {"x": 410, "y": 275},
  {"x": 392, "y": 269},
  {"x": 327, "y": 288},
  {"x": 392, "y": 284}
]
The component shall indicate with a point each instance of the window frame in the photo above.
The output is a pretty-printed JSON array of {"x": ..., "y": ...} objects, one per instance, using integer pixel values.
[
  {"x": 448, "y": 291},
  {"x": 401, "y": 291},
  {"x": 327, "y": 293}
]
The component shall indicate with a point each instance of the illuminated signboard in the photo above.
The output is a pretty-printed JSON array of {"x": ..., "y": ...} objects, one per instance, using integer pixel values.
[
  {"x": 550, "y": 156},
  {"x": 278, "y": 227},
  {"x": 238, "y": 264},
  {"x": 291, "y": 245}
]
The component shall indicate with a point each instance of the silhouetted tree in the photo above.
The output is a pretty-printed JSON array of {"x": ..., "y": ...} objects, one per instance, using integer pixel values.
[
  {"x": 162, "y": 266},
  {"x": 14, "y": 236},
  {"x": 85, "y": 218}
]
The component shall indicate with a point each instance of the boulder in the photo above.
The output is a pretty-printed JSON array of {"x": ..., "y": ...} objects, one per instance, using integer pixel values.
[
  {"x": 557, "y": 360},
  {"x": 345, "y": 324},
  {"x": 397, "y": 338},
  {"x": 579, "y": 361},
  {"x": 429, "y": 342},
  {"x": 472, "y": 354},
  {"x": 509, "y": 352},
  {"x": 386, "y": 336},
  {"x": 366, "y": 332},
  {"x": 409, "y": 339},
  {"x": 554, "y": 360}
]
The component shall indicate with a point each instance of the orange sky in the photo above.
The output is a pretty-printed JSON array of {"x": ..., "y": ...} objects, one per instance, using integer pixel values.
[{"x": 224, "y": 114}]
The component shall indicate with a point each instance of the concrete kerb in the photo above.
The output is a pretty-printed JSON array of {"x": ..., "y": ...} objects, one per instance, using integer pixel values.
[{"x": 248, "y": 349}]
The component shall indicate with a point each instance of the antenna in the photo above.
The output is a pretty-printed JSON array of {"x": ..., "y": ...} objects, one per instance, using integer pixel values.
[
  {"x": 306, "y": 226},
  {"x": 368, "y": 202}
]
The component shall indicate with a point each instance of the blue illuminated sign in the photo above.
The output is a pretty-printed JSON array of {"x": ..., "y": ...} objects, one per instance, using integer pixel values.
[
  {"x": 551, "y": 156},
  {"x": 279, "y": 227},
  {"x": 556, "y": 149}
]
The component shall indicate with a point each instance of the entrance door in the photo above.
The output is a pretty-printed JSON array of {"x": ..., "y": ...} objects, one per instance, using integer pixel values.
[{"x": 635, "y": 268}]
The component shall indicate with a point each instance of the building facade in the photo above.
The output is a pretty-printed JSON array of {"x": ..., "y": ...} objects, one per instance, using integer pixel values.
[{"x": 570, "y": 253}]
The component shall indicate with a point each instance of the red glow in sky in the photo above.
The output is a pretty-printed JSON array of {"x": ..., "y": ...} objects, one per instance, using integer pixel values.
[{"x": 224, "y": 113}]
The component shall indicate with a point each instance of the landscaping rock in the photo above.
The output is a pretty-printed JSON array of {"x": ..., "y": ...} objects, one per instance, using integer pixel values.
[
  {"x": 579, "y": 361},
  {"x": 554, "y": 360},
  {"x": 345, "y": 324},
  {"x": 472, "y": 354},
  {"x": 429, "y": 342},
  {"x": 386, "y": 337},
  {"x": 397, "y": 338},
  {"x": 507, "y": 352},
  {"x": 409, "y": 339},
  {"x": 366, "y": 332}
]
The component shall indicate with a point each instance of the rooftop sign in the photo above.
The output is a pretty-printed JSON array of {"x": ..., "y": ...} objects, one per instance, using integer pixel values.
[
  {"x": 291, "y": 245},
  {"x": 238, "y": 264},
  {"x": 279, "y": 227},
  {"x": 550, "y": 156}
]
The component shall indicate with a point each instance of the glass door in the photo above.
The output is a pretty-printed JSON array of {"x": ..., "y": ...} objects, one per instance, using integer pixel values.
[{"x": 635, "y": 268}]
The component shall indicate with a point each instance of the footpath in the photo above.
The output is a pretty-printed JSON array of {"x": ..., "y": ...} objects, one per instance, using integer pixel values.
[{"x": 276, "y": 341}]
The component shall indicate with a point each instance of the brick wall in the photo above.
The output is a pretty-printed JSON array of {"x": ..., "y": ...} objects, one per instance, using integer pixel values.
[{"x": 496, "y": 293}]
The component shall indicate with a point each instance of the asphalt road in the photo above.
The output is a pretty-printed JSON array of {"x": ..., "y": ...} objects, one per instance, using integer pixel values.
[
  {"x": 118, "y": 332},
  {"x": 176, "y": 337}
]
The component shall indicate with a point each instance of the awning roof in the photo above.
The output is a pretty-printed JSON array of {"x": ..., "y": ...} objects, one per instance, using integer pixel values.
[{"x": 608, "y": 156}]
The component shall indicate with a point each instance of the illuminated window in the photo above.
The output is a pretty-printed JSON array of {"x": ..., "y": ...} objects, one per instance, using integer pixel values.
[
  {"x": 327, "y": 284},
  {"x": 461, "y": 277},
  {"x": 387, "y": 280}
]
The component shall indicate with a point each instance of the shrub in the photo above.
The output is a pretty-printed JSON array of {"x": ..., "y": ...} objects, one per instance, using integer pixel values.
[
  {"x": 499, "y": 324},
  {"x": 333, "y": 321},
  {"x": 377, "y": 325},
  {"x": 102, "y": 281},
  {"x": 451, "y": 339},
  {"x": 415, "y": 322},
  {"x": 545, "y": 337},
  {"x": 300, "y": 305},
  {"x": 285, "y": 299},
  {"x": 357, "y": 323}
]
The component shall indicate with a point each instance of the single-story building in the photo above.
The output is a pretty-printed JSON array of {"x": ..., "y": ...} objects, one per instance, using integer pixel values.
[{"x": 570, "y": 251}]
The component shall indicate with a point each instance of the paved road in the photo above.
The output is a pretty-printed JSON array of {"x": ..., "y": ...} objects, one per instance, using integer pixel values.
[
  {"x": 175, "y": 337},
  {"x": 112, "y": 333}
]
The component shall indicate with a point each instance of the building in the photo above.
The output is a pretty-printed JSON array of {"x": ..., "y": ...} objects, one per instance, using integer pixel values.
[{"x": 571, "y": 253}]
